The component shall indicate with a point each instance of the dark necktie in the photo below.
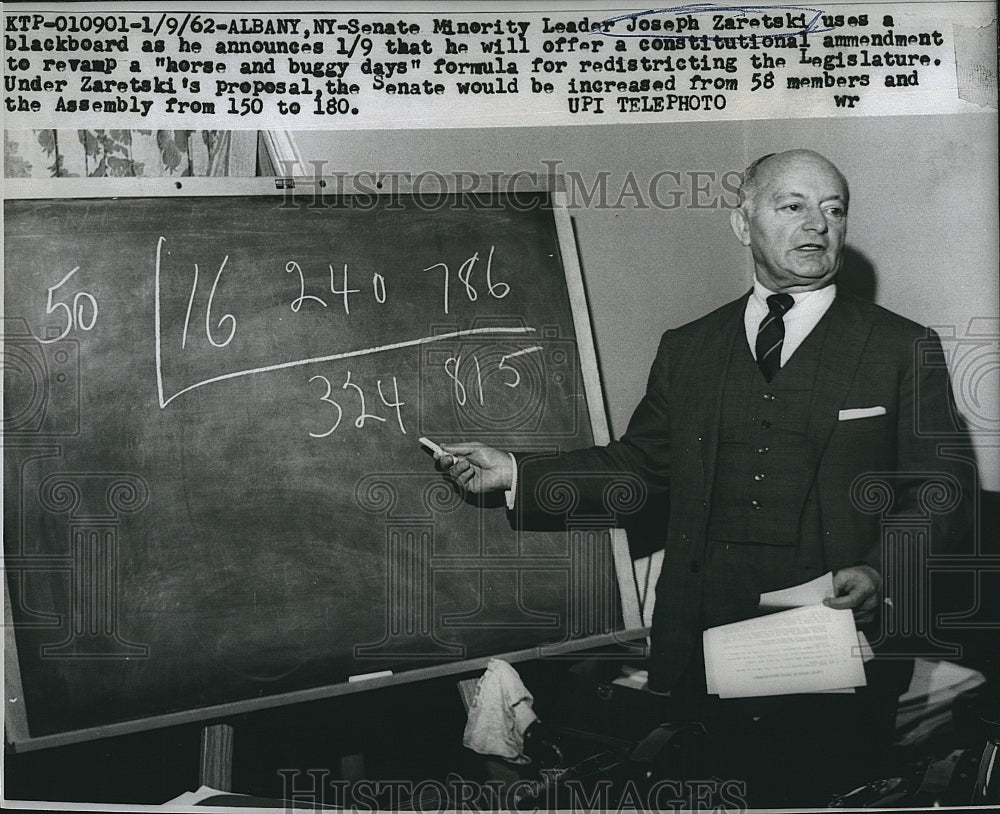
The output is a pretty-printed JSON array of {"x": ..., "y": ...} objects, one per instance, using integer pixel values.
[{"x": 771, "y": 334}]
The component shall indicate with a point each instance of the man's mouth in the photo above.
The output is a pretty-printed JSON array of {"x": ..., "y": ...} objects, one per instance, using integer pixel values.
[{"x": 811, "y": 247}]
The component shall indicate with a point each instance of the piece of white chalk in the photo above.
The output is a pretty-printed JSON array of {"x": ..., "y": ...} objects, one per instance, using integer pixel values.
[
  {"x": 369, "y": 676},
  {"x": 432, "y": 446}
]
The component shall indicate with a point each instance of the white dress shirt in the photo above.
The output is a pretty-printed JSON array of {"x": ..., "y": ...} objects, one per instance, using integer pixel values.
[{"x": 799, "y": 320}]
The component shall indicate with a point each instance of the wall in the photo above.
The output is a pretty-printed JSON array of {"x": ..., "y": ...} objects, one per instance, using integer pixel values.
[{"x": 922, "y": 238}]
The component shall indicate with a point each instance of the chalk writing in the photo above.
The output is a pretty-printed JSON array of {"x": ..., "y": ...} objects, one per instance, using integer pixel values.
[
  {"x": 326, "y": 397},
  {"x": 504, "y": 366},
  {"x": 208, "y": 310},
  {"x": 74, "y": 314},
  {"x": 496, "y": 289},
  {"x": 363, "y": 414},
  {"x": 343, "y": 291},
  {"x": 378, "y": 287},
  {"x": 396, "y": 405},
  {"x": 453, "y": 368},
  {"x": 187, "y": 314},
  {"x": 291, "y": 266}
]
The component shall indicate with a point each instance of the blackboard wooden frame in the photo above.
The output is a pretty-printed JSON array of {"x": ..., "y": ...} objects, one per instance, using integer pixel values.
[{"x": 17, "y": 727}]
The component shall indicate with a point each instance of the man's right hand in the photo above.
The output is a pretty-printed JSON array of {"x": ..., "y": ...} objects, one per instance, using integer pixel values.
[{"x": 476, "y": 467}]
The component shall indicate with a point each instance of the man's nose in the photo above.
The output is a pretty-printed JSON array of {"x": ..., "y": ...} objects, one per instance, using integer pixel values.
[{"x": 816, "y": 221}]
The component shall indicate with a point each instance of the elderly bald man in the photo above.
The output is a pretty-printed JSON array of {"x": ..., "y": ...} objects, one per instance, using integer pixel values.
[{"x": 757, "y": 420}]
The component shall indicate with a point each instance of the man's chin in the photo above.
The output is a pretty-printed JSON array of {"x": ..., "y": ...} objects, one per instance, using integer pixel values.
[
  {"x": 799, "y": 277},
  {"x": 813, "y": 272},
  {"x": 808, "y": 280}
]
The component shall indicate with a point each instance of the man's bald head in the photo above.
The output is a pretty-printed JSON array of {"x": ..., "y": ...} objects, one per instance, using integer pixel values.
[{"x": 767, "y": 165}]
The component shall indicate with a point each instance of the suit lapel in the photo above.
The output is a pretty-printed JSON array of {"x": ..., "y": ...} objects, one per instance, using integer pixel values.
[
  {"x": 847, "y": 333},
  {"x": 708, "y": 380}
]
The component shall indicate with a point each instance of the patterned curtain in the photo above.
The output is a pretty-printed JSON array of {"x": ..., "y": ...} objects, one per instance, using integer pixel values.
[{"x": 128, "y": 153}]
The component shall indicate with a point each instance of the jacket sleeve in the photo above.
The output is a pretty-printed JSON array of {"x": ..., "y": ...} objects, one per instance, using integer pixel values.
[{"x": 609, "y": 484}]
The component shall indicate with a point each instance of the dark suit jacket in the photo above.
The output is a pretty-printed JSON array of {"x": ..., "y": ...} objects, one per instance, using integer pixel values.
[{"x": 869, "y": 359}]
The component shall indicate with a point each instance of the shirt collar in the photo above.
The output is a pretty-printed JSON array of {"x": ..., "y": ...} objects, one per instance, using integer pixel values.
[{"x": 804, "y": 300}]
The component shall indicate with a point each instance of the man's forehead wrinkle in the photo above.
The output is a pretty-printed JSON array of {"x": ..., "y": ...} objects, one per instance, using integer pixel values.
[{"x": 777, "y": 191}]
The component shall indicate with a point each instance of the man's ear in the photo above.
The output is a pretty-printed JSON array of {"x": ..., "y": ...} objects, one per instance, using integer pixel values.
[{"x": 741, "y": 225}]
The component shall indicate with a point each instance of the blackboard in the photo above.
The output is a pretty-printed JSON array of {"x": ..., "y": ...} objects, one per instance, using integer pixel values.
[{"x": 214, "y": 496}]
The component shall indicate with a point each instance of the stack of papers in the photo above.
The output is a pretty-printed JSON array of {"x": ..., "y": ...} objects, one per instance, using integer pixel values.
[
  {"x": 806, "y": 649},
  {"x": 810, "y": 649},
  {"x": 808, "y": 593}
]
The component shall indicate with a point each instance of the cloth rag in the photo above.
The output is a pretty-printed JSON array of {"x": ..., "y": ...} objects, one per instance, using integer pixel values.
[{"x": 500, "y": 713}]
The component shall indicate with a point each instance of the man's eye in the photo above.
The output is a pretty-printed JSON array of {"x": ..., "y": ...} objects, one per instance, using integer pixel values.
[
  {"x": 791, "y": 207},
  {"x": 836, "y": 212}
]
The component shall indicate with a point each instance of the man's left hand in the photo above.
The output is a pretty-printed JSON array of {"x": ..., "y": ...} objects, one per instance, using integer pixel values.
[{"x": 857, "y": 587}]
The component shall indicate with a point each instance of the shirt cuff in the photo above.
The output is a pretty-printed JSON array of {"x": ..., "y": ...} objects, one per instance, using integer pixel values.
[{"x": 509, "y": 494}]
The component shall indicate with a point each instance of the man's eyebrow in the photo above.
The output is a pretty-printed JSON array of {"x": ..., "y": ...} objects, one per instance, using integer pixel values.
[
  {"x": 786, "y": 193},
  {"x": 791, "y": 193}
]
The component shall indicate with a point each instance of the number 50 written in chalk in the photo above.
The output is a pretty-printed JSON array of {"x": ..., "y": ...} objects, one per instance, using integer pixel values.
[{"x": 75, "y": 314}]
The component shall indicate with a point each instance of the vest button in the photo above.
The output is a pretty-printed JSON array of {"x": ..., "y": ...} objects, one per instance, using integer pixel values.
[
  {"x": 755, "y": 504},
  {"x": 765, "y": 424},
  {"x": 695, "y": 566},
  {"x": 759, "y": 476},
  {"x": 769, "y": 396},
  {"x": 762, "y": 450}
]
